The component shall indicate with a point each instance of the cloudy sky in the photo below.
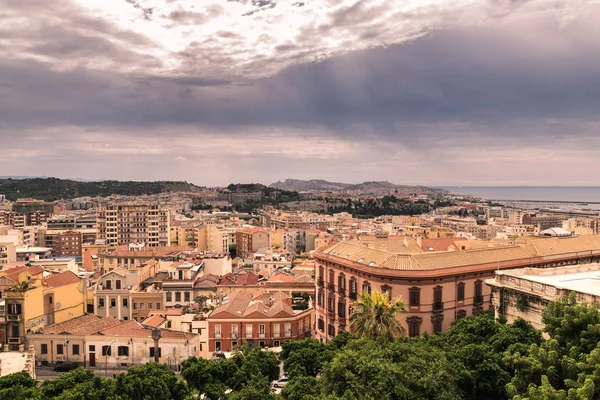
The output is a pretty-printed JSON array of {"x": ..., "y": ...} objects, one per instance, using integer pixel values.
[{"x": 433, "y": 92}]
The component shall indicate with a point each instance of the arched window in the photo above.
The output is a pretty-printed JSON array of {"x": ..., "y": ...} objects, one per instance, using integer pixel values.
[
  {"x": 460, "y": 291},
  {"x": 366, "y": 287},
  {"x": 341, "y": 284},
  {"x": 436, "y": 320}
]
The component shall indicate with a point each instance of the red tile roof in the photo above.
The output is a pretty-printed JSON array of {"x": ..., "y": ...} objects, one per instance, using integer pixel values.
[
  {"x": 154, "y": 321},
  {"x": 62, "y": 279}
]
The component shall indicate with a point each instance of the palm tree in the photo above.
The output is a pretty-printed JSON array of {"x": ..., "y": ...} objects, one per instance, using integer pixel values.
[{"x": 374, "y": 316}]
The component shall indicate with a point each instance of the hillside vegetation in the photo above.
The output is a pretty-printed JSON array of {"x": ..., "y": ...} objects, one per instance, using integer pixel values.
[{"x": 51, "y": 189}]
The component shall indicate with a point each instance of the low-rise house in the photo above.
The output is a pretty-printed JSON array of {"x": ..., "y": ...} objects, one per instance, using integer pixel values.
[
  {"x": 96, "y": 342},
  {"x": 264, "y": 319}
]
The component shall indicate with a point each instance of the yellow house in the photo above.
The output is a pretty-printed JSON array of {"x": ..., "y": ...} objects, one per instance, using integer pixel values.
[{"x": 34, "y": 301}]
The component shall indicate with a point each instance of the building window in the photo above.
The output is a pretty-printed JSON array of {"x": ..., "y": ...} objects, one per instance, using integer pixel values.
[
  {"x": 460, "y": 295},
  {"x": 414, "y": 297},
  {"x": 135, "y": 306},
  {"x": 288, "y": 330},
  {"x": 261, "y": 343},
  {"x": 123, "y": 351},
  {"x": 217, "y": 348},
  {"x": 118, "y": 284},
  {"x": 261, "y": 329},
  {"x": 276, "y": 330},
  {"x": 301, "y": 326},
  {"x": 320, "y": 298},
  {"x": 141, "y": 306},
  {"x": 113, "y": 302},
  {"x": 125, "y": 302},
  {"x": 321, "y": 324},
  {"x": 44, "y": 349},
  {"x": 414, "y": 326},
  {"x": 108, "y": 284},
  {"x": 438, "y": 303},
  {"x": 101, "y": 302},
  {"x": 249, "y": 331},
  {"x": 149, "y": 306},
  {"x": 342, "y": 309},
  {"x": 234, "y": 331},
  {"x": 177, "y": 296},
  {"x": 186, "y": 296},
  {"x": 436, "y": 321},
  {"x": 75, "y": 349},
  {"x": 160, "y": 350},
  {"x": 49, "y": 299},
  {"x": 158, "y": 306},
  {"x": 169, "y": 296},
  {"x": 353, "y": 288},
  {"x": 478, "y": 291},
  {"x": 106, "y": 351},
  {"x": 218, "y": 331},
  {"x": 331, "y": 330},
  {"x": 387, "y": 290},
  {"x": 59, "y": 349},
  {"x": 92, "y": 347},
  {"x": 330, "y": 303},
  {"x": 14, "y": 309},
  {"x": 366, "y": 287}
]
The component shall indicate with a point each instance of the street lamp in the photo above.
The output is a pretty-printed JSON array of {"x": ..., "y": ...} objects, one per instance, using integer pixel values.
[
  {"x": 107, "y": 353},
  {"x": 156, "y": 337}
]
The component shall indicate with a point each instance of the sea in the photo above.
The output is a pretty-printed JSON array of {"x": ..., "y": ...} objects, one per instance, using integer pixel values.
[{"x": 581, "y": 196}]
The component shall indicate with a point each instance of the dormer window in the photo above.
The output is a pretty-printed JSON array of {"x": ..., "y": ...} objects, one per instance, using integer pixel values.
[{"x": 361, "y": 260}]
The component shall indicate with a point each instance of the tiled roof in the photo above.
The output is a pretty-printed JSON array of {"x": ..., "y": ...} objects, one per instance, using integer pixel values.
[
  {"x": 154, "y": 321},
  {"x": 244, "y": 304},
  {"x": 84, "y": 325},
  {"x": 524, "y": 249},
  {"x": 62, "y": 279}
]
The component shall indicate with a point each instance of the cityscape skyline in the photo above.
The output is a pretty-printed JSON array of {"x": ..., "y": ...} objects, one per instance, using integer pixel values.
[{"x": 458, "y": 93}]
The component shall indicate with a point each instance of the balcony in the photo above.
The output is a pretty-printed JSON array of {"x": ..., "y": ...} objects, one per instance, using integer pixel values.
[
  {"x": 438, "y": 306},
  {"x": 15, "y": 340},
  {"x": 320, "y": 282},
  {"x": 217, "y": 336},
  {"x": 276, "y": 335},
  {"x": 331, "y": 286},
  {"x": 261, "y": 336},
  {"x": 341, "y": 291},
  {"x": 13, "y": 317},
  {"x": 331, "y": 315},
  {"x": 353, "y": 295},
  {"x": 478, "y": 300}
]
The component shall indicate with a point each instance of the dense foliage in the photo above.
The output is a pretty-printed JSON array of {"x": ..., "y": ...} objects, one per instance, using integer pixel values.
[
  {"x": 477, "y": 358},
  {"x": 374, "y": 207},
  {"x": 51, "y": 189}
]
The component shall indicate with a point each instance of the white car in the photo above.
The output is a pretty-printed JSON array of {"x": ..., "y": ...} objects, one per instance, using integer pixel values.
[{"x": 279, "y": 384}]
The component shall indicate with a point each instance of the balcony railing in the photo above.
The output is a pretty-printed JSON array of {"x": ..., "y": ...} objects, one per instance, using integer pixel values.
[
  {"x": 15, "y": 340},
  {"x": 353, "y": 295},
  {"x": 13, "y": 317},
  {"x": 341, "y": 291},
  {"x": 438, "y": 306},
  {"x": 478, "y": 300},
  {"x": 331, "y": 286},
  {"x": 320, "y": 282},
  {"x": 331, "y": 314}
]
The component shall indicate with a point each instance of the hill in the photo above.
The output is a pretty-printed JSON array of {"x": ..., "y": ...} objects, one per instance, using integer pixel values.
[
  {"x": 312, "y": 184},
  {"x": 371, "y": 187},
  {"x": 51, "y": 189}
]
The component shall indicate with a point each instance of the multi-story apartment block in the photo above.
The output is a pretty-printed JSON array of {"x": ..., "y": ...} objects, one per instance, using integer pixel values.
[
  {"x": 544, "y": 221},
  {"x": 439, "y": 287},
  {"x": 125, "y": 223},
  {"x": 179, "y": 286},
  {"x": 264, "y": 319},
  {"x": 65, "y": 243},
  {"x": 7, "y": 254},
  {"x": 83, "y": 223},
  {"x": 250, "y": 240}
]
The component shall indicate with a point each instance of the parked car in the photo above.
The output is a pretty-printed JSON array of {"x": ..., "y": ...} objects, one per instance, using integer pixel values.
[
  {"x": 281, "y": 382},
  {"x": 65, "y": 367}
]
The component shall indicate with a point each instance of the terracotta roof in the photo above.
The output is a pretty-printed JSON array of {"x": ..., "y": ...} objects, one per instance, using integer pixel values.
[
  {"x": 441, "y": 244},
  {"x": 84, "y": 325},
  {"x": 62, "y": 279},
  {"x": 154, "y": 321},
  {"x": 244, "y": 304},
  {"x": 281, "y": 277},
  {"x": 524, "y": 249}
]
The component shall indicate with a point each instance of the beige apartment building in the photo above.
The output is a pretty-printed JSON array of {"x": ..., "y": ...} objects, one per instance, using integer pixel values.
[
  {"x": 250, "y": 240},
  {"x": 122, "y": 223},
  {"x": 439, "y": 287}
]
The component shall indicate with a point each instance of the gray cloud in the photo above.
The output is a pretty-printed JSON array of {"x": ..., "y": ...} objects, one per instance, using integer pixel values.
[{"x": 521, "y": 77}]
